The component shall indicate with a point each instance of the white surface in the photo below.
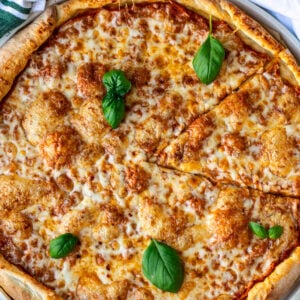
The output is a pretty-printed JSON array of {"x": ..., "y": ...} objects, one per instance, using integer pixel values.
[
  {"x": 3, "y": 295},
  {"x": 271, "y": 24},
  {"x": 286, "y": 11}
]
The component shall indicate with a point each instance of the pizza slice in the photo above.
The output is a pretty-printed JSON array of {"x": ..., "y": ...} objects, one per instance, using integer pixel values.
[{"x": 251, "y": 138}]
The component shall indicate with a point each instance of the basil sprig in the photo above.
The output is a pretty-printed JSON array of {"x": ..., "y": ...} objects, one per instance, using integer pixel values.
[
  {"x": 115, "y": 80},
  {"x": 113, "y": 108},
  {"x": 258, "y": 230},
  {"x": 113, "y": 105},
  {"x": 273, "y": 233},
  {"x": 162, "y": 266},
  {"x": 208, "y": 60},
  {"x": 62, "y": 245}
]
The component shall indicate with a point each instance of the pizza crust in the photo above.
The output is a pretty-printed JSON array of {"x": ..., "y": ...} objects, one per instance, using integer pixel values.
[
  {"x": 280, "y": 281},
  {"x": 251, "y": 29},
  {"x": 19, "y": 285},
  {"x": 15, "y": 54},
  {"x": 289, "y": 68}
]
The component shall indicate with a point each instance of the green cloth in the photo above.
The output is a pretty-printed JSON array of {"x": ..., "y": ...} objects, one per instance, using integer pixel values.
[{"x": 13, "y": 14}]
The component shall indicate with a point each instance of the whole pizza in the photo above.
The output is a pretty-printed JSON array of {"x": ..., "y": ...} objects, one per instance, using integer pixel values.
[{"x": 148, "y": 150}]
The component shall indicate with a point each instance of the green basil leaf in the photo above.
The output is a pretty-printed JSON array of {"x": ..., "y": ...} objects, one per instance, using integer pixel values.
[
  {"x": 116, "y": 81},
  {"x": 113, "y": 109},
  {"x": 258, "y": 230},
  {"x": 162, "y": 266},
  {"x": 63, "y": 245},
  {"x": 108, "y": 99},
  {"x": 275, "y": 232},
  {"x": 208, "y": 60}
]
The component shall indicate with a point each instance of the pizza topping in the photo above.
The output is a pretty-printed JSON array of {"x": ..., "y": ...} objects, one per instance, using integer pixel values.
[
  {"x": 90, "y": 287},
  {"x": 89, "y": 79},
  {"x": 260, "y": 231},
  {"x": 113, "y": 105},
  {"x": 115, "y": 81},
  {"x": 89, "y": 121},
  {"x": 136, "y": 179},
  {"x": 162, "y": 266},
  {"x": 229, "y": 218},
  {"x": 208, "y": 60},
  {"x": 113, "y": 109},
  {"x": 233, "y": 144},
  {"x": 60, "y": 146},
  {"x": 160, "y": 222},
  {"x": 54, "y": 70},
  {"x": 44, "y": 114},
  {"x": 277, "y": 151},
  {"x": 62, "y": 245},
  {"x": 275, "y": 232}
]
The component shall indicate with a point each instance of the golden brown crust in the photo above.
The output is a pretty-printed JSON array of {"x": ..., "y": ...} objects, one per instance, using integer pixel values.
[
  {"x": 205, "y": 8},
  {"x": 280, "y": 281},
  {"x": 289, "y": 68},
  {"x": 251, "y": 28},
  {"x": 15, "y": 53},
  {"x": 72, "y": 8},
  {"x": 260, "y": 39},
  {"x": 19, "y": 285}
]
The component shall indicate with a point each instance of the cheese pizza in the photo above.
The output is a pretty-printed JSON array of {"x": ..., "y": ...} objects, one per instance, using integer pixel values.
[{"x": 107, "y": 129}]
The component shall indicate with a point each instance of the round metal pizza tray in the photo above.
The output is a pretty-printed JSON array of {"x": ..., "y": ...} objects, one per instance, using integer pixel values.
[
  {"x": 282, "y": 34},
  {"x": 279, "y": 31}
]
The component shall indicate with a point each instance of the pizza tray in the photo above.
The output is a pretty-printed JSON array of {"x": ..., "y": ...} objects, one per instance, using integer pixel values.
[{"x": 281, "y": 33}]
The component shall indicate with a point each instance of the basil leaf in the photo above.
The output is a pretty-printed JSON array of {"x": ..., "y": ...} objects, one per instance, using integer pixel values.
[
  {"x": 208, "y": 60},
  {"x": 275, "y": 232},
  {"x": 162, "y": 266},
  {"x": 63, "y": 245},
  {"x": 115, "y": 80},
  {"x": 113, "y": 109},
  {"x": 258, "y": 230}
]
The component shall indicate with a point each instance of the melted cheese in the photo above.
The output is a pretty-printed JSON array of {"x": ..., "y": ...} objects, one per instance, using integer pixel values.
[{"x": 252, "y": 140}]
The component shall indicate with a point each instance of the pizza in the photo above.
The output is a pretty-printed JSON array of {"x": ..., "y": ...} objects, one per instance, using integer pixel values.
[{"x": 128, "y": 174}]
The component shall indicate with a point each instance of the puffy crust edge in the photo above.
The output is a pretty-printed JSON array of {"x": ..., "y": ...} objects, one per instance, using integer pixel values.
[
  {"x": 20, "y": 285},
  {"x": 15, "y": 54},
  {"x": 251, "y": 28},
  {"x": 280, "y": 281}
]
